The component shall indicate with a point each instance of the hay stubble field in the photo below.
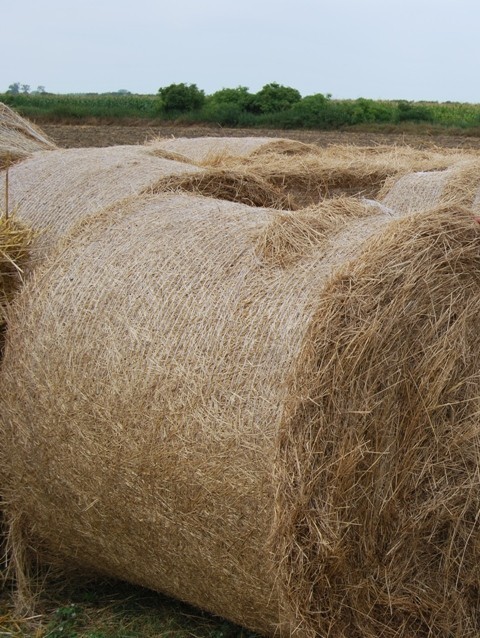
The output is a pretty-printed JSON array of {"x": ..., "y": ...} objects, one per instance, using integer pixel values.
[{"x": 78, "y": 136}]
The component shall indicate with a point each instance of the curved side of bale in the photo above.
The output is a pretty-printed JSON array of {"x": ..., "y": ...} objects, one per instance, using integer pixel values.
[
  {"x": 292, "y": 236},
  {"x": 286, "y": 147},
  {"x": 19, "y": 138},
  {"x": 235, "y": 186},
  {"x": 377, "y": 510},
  {"x": 53, "y": 191},
  {"x": 463, "y": 185},
  {"x": 211, "y": 150},
  {"x": 415, "y": 191},
  {"x": 15, "y": 242},
  {"x": 456, "y": 185},
  {"x": 158, "y": 342},
  {"x": 338, "y": 170}
]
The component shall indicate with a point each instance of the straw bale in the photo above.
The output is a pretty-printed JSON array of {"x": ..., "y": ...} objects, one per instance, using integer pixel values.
[
  {"x": 15, "y": 241},
  {"x": 457, "y": 184},
  {"x": 213, "y": 150},
  {"x": 289, "y": 237},
  {"x": 335, "y": 170},
  {"x": 53, "y": 191},
  {"x": 293, "y": 445},
  {"x": 241, "y": 186},
  {"x": 19, "y": 138}
]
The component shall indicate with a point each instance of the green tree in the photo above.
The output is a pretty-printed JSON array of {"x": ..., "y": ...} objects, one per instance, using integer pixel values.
[
  {"x": 274, "y": 97},
  {"x": 240, "y": 97},
  {"x": 181, "y": 98},
  {"x": 14, "y": 88},
  {"x": 228, "y": 107}
]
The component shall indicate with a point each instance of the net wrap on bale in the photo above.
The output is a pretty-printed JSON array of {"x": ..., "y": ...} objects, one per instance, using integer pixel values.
[
  {"x": 204, "y": 150},
  {"x": 458, "y": 184},
  {"x": 270, "y": 415},
  {"x": 55, "y": 190}
]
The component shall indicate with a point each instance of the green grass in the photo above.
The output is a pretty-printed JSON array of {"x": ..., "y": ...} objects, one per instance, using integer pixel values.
[
  {"x": 77, "y": 108},
  {"x": 105, "y": 609},
  {"x": 311, "y": 112}
]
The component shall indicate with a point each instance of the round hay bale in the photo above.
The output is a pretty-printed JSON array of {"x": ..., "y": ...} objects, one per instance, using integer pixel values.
[
  {"x": 215, "y": 150},
  {"x": 292, "y": 444},
  {"x": 15, "y": 242},
  {"x": 317, "y": 173},
  {"x": 19, "y": 138},
  {"x": 53, "y": 191},
  {"x": 241, "y": 186},
  {"x": 456, "y": 185}
]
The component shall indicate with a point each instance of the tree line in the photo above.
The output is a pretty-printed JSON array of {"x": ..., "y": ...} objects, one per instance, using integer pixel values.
[{"x": 274, "y": 105}]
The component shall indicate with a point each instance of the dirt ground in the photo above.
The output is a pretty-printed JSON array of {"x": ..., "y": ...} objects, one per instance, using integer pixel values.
[{"x": 75, "y": 136}]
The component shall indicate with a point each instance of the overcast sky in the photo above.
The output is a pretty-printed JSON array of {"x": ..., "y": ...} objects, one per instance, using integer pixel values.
[{"x": 408, "y": 49}]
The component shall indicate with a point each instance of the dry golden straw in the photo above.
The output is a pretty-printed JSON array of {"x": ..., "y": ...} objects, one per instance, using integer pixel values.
[
  {"x": 309, "y": 173},
  {"x": 202, "y": 150},
  {"x": 239, "y": 186},
  {"x": 15, "y": 242},
  {"x": 53, "y": 191},
  {"x": 292, "y": 443},
  {"x": 19, "y": 138},
  {"x": 457, "y": 185}
]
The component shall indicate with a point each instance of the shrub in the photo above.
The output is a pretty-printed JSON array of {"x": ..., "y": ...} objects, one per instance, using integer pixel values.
[
  {"x": 408, "y": 111},
  {"x": 181, "y": 98},
  {"x": 274, "y": 98}
]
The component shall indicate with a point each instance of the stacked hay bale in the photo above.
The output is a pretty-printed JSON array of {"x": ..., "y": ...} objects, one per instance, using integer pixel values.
[
  {"x": 458, "y": 184},
  {"x": 207, "y": 150},
  {"x": 53, "y": 191},
  {"x": 343, "y": 170},
  {"x": 270, "y": 415},
  {"x": 19, "y": 138},
  {"x": 306, "y": 172}
]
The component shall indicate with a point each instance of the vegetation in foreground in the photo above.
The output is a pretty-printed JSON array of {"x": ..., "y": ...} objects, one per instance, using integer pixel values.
[
  {"x": 274, "y": 106},
  {"x": 107, "y": 609}
]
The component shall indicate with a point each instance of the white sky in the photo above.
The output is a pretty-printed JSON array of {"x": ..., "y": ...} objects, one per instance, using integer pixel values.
[{"x": 408, "y": 49}]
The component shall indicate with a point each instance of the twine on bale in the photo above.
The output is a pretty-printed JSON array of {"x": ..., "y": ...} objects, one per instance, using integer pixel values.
[
  {"x": 290, "y": 443},
  {"x": 15, "y": 242},
  {"x": 211, "y": 151}
]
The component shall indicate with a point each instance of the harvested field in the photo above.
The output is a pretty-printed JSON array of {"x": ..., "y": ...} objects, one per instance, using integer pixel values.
[
  {"x": 276, "y": 412},
  {"x": 79, "y": 136}
]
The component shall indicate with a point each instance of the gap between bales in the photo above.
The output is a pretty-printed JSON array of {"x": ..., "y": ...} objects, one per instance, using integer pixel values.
[{"x": 15, "y": 242}]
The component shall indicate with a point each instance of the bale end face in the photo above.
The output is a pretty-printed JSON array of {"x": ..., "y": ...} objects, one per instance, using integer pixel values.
[{"x": 377, "y": 515}]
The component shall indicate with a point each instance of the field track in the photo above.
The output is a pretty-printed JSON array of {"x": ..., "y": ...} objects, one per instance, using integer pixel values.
[{"x": 77, "y": 136}]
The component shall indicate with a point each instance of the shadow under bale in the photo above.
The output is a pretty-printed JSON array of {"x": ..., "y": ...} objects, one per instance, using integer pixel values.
[{"x": 15, "y": 243}]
